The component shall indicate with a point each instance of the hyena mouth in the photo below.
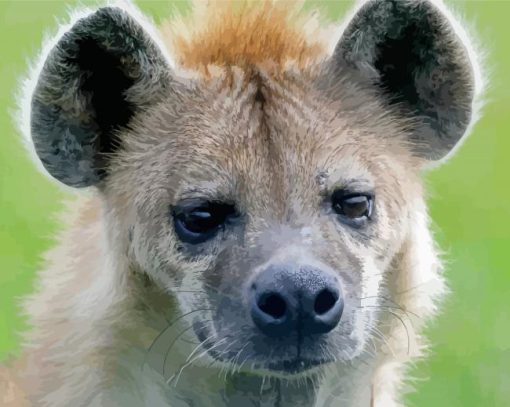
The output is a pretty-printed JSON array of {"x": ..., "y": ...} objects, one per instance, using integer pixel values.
[
  {"x": 219, "y": 350},
  {"x": 297, "y": 366}
]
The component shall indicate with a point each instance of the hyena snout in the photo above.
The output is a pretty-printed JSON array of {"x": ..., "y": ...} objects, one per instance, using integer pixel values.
[{"x": 286, "y": 299}]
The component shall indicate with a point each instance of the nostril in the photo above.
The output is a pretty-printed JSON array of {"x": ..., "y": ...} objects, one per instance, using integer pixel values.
[
  {"x": 324, "y": 301},
  {"x": 272, "y": 304}
]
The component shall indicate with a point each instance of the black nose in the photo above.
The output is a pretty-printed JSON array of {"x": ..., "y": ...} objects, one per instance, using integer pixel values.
[{"x": 285, "y": 300}]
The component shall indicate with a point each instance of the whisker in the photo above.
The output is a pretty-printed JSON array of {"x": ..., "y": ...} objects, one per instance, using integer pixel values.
[
  {"x": 189, "y": 362},
  {"x": 405, "y": 327},
  {"x": 198, "y": 347},
  {"x": 262, "y": 384},
  {"x": 244, "y": 361},
  {"x": 394, "y": 303},
  {"x": 173, "y": 322},
  {"x": 236, "y": 358},
  {"x": 390, "y": 307},
  {"x": 233, "y": 361},
  {"x": 189, "y": 341},
  {"x": 264, "y": 377},
  {"x": 229, "y": 366},
  {"x": 165, "y": 330},
  {"x": 413, "y": 288},
  {"x": 380, "y": 335},
  {"x": 171, "y": 346}
]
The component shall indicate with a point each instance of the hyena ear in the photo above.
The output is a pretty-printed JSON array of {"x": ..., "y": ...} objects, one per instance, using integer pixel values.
[
  {"x": 100, "y": 72},
  {"x": 411, "y": 50}
]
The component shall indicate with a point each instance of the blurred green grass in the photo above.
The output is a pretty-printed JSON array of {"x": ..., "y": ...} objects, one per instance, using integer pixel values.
[{"x": 469, "y": 201}]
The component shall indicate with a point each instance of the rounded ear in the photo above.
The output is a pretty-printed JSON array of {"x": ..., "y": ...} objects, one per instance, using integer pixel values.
[
  {"x": 411, "y": 51},
  {"x": 97, "y": 76}
]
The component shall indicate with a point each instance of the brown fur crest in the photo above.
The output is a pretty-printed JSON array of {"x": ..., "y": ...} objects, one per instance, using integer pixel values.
[{"x": 245, "y": 34}]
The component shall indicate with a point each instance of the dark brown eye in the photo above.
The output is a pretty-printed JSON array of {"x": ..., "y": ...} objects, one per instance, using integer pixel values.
[
  {"x": 352, "y": 206},
  {"x": 198, "y": 223}
]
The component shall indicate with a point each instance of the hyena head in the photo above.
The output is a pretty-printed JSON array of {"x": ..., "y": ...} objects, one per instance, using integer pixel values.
[{"x": 262, "y": 180}]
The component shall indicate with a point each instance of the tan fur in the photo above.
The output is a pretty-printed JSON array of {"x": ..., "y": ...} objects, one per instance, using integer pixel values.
[{"x": 11, "y": 391}]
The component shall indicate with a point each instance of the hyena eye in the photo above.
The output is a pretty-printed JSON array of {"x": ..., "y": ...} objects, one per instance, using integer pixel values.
[
  {"x": 198, "y": 223},
  {"x": 352, "y": 206}
]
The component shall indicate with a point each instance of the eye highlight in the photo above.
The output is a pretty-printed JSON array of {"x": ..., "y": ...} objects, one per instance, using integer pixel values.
[
  {"x": 352, "y": 206},
  {"x": 196, "y": 223}
]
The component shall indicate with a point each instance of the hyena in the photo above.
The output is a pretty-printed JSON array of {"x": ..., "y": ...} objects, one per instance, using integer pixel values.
[{"x": 255, "y": 230}]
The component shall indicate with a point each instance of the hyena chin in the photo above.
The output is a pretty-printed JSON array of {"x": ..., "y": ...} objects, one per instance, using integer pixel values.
[{"x": 256, "y": 232}]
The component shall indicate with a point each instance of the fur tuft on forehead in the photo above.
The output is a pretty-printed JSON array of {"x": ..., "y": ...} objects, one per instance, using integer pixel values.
[{"x": 245, "y": 34}]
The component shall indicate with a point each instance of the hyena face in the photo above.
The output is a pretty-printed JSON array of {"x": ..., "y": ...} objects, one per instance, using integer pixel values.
[
  {"x": 275, "y": 199},
  {"x": 280, "y": 210}
]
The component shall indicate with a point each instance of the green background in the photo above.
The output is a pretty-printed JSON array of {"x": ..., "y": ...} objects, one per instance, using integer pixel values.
[{"x": 470, "y": 360}]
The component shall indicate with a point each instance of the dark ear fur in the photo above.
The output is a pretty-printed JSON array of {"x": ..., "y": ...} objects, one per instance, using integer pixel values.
[
  {"x": 102, "y": 71},
  {"x": 410, "y": 51}
]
